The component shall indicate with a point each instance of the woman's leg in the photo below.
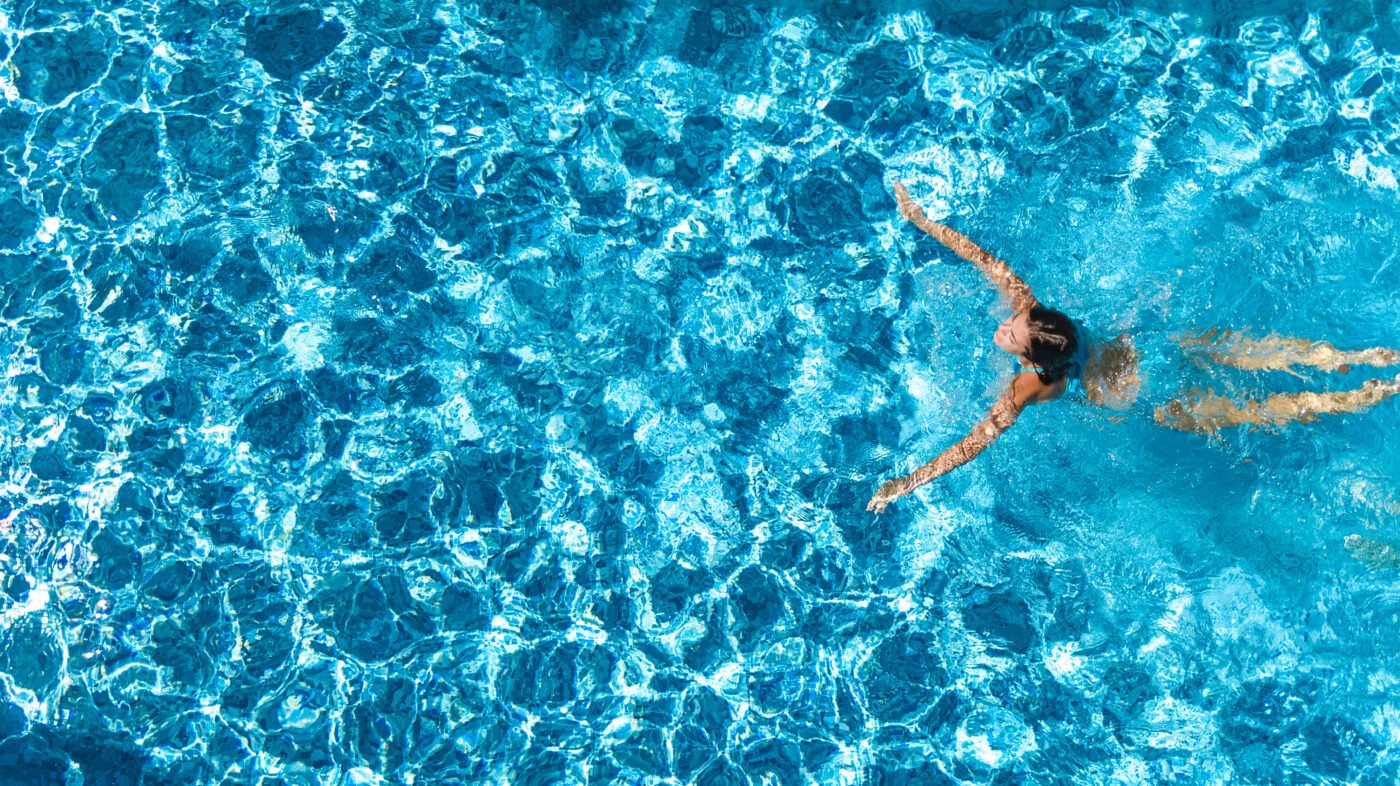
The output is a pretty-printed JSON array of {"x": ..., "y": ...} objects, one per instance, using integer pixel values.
[
  {"x": 1373, "y": 552},
  {"x": 1207, "y": 412},
  {"x": 1277, "y": 353}
]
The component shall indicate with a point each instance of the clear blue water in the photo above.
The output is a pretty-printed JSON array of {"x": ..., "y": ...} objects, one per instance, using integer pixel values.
[{"x": 429, "y": 394}]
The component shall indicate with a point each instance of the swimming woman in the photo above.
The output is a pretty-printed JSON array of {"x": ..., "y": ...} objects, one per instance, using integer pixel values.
[{"x": 1060, "y": 356}]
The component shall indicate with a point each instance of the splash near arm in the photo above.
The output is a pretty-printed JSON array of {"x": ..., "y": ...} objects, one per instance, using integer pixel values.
[
  {"x": 1001, "y": 417},
  {"x": 996, "y": 271}
]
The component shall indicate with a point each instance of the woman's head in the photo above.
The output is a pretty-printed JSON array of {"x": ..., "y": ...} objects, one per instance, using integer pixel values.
[{"x": 1043, "y": 337}]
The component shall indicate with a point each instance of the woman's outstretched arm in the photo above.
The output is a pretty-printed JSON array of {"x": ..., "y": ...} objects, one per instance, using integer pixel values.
[
  {"x": 996, "y": 271},
  {"x": 1023, "y": 389}
]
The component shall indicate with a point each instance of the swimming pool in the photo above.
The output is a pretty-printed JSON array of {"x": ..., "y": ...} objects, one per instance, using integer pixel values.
[{"x": 490, "y": 393}]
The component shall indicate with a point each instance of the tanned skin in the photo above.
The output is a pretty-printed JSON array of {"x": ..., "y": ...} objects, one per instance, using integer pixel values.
[
  {"x": 1111, "y": 374},
  {"x": 1025, "y": 389}
]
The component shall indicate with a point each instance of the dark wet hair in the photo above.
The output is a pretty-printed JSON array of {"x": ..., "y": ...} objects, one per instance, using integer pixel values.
[{"x": 1053, "y": 341}]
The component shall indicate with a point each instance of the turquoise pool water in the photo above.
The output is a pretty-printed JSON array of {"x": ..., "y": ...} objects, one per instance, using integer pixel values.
[{"x": 432, "y": 393}]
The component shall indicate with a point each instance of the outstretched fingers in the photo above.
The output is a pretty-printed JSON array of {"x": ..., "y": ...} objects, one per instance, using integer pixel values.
[{"x": 888, "y": 492}]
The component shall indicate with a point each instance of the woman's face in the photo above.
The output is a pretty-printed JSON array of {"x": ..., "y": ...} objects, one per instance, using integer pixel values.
[{"x": 1014, "y": 335}]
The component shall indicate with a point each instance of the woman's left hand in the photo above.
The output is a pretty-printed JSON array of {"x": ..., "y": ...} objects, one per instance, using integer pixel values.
[{"x": 888, "y": 492}]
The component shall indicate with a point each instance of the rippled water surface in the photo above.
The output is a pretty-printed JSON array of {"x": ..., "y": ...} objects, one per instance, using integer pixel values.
[{"x": 433, "y": 393}]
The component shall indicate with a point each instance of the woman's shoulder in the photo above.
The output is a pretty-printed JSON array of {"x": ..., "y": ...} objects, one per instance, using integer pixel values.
[{"x": 1028, "y": 388}]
